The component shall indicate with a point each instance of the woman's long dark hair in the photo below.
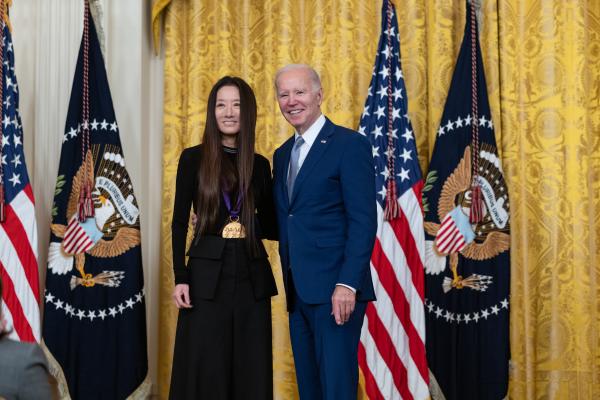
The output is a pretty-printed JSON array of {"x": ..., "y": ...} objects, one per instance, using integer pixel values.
[{"x": 217, "y": 173}]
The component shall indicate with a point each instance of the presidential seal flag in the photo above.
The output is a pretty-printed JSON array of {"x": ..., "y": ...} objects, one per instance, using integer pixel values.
[
  {"x": 467, "y": 241},
  {"x": 18, "y": 231},
  {"x": 392, "y": 343},
  {"x": 94, "y": 320}
]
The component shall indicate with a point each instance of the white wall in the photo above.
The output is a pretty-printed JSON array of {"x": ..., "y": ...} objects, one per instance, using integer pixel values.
[{"x": 47, "y": 35}]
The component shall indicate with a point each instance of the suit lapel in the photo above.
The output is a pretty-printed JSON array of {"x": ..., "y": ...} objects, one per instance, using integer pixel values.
[{"x": 316, "y": 152}]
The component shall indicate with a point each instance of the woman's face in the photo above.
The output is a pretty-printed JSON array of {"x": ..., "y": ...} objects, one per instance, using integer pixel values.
[{"x": 227, "y": 110}]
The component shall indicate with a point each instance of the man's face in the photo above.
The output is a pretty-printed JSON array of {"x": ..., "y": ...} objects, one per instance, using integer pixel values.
[{"x": 299, "y": 101}]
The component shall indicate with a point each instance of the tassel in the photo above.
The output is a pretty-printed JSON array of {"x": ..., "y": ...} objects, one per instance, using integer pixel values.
[
  {"x": 2, "y": 214},
  {"x": 476, "y": 214},
  {"x": 80, "y": 210},
  {"x": 86, "y": 205},
  {"x": 391, "y": 202}
]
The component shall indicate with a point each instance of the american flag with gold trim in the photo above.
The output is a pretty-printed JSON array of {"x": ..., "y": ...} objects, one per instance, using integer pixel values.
[{"x": 392, "y": 347}]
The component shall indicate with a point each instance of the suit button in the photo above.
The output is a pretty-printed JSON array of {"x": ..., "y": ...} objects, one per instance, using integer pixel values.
[{"x": 290, "y": 215}]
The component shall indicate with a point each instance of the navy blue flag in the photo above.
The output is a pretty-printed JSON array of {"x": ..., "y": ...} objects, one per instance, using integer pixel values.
[
  {"x": 467, "y": 241},
  {"x": 94, "y": 319}
]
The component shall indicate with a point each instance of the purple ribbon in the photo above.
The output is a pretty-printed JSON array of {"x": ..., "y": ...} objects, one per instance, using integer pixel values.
[{"x": 235, "y": 212}]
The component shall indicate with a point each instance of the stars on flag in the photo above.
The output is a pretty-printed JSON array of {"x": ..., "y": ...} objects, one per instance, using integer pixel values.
[
  {"x": 16, "y": 179},
  {"x": 463, "y": 122},
  {"x": 8, "y": 66},
  {"x": 385, "y": 173},
  {"x": 384, "y": 72},
  {"x": 378, "y": 131},
  {"x": 391, "y": 31},
  {"x": 406, "y": 155},
  {"x": 366, "y": 112},
  {"x": 386, "y": 51},
  {"x": 10, "y": 84},
  {"x": 466, "y": 318},
  {"x": 403, "y": 174},
  {"x": 393, "y": 140},
  {"x": 375, "y": 151},
  {"x": 94, "y": 125},
  {"x": 398, "y": 74},
  {"x": 112, "y": 312},
  {"x": 16, "y": 161}
]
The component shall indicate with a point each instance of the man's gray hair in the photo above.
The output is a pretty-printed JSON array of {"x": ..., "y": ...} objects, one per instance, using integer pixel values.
[{"x": 314, "y": 76}]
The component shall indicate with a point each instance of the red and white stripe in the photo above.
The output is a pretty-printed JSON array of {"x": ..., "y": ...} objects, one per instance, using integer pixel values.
[
  {"x": 449, "y": 239},
  {"x": 76, "y": 239},
  {"x": 392, "y": 344},
  {"x": 19, "y": 268}
]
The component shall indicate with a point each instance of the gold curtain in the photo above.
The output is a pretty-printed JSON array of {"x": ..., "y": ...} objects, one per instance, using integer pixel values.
[{"x": 542, "y": 60}]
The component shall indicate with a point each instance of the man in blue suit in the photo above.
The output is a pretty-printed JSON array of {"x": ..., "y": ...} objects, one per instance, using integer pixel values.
[{"x": 324, "y": 189}]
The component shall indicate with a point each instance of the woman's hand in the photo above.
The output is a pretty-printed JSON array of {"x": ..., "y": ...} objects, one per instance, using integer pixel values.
[{"x": 181, "y": 295}]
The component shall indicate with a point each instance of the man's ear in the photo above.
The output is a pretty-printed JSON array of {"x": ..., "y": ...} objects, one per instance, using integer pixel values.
[{"x": 320, "y": 95}]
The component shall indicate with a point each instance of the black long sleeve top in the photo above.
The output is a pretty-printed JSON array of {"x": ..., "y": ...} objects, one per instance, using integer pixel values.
[{"x": 186, "y": 191}]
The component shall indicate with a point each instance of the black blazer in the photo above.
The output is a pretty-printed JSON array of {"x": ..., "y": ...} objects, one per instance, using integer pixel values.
[
  {"x": 205, "y": 263},
  {"x": 205, "y": 254}
]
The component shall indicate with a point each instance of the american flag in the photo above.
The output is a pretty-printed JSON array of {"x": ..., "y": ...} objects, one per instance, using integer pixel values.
[
  {"x": 18, "y": 232},
  {"x": 392, "y": 346}
]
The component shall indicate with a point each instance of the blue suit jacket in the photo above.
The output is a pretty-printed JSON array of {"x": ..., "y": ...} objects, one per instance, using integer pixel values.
[{"x": 327, "y": 227}]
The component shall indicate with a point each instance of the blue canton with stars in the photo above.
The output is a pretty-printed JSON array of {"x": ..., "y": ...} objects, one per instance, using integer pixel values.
[
  {"x": 15, "y": 176},
  {"x": 375, "y": 118}
]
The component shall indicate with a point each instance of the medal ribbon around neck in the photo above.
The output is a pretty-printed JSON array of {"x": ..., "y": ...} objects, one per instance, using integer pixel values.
[{"x": 233, "y": 229}]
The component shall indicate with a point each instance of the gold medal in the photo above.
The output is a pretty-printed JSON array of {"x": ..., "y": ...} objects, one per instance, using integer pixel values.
[{"x": 234, "y": 229}]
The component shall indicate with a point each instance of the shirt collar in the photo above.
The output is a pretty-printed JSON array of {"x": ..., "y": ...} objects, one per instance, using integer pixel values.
[{"x": 311, "y": 133}]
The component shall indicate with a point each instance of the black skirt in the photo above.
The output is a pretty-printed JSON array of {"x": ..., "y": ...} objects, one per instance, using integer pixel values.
[{"x": 223, "y": 347}]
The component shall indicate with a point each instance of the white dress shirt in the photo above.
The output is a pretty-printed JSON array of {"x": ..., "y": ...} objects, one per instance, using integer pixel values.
[{"x": 309, "y": 138}]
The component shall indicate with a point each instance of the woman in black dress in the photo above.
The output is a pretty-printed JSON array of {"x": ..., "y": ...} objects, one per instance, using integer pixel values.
[{"x": 223, "y": 340}]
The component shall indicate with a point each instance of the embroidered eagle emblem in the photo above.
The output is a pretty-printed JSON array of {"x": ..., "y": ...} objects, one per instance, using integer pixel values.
[
  {"x": 107, "y": 234},
  {"x": 490, "y": 237}
]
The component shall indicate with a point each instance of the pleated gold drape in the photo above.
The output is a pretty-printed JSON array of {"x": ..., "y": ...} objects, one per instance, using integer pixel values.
[{"x": 542, "y": 60}]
